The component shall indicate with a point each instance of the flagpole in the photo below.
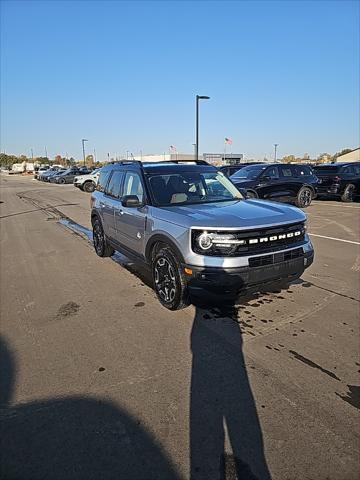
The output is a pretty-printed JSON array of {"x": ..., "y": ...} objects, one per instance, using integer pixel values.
[{"x": 224, "y": 152}]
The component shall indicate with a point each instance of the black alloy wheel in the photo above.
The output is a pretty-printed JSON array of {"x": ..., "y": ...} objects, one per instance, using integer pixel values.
[
  {"x": 169, "y": 280},
  {"x": 101, "y": 245},
  {"x": 349, "y": 193},
  {"x": 304, "y": 197},
  {"x": 62, "y": 181}
]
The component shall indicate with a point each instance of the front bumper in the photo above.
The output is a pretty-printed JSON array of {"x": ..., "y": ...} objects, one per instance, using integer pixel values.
[
  {"x": 262, "y": 272},
  {"x": 328, "y": 189}
]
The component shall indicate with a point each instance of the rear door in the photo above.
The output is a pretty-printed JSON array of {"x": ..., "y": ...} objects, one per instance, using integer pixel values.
[{"x": 129, "y": 221}]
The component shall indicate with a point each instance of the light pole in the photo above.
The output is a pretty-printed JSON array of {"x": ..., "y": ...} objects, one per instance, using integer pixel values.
[
  {"x": 198, "y": 97},
  {"x": 275, "y": 148},
  {"x": 83, "y": 148}
]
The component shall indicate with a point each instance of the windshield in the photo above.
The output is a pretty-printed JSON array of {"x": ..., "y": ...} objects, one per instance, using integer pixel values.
[
  {"x": 248, "y": 173},
  {"x": 186, "y": 188}
]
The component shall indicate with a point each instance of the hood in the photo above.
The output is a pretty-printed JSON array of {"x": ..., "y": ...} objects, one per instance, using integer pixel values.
[{"x": 237, "y": 214}]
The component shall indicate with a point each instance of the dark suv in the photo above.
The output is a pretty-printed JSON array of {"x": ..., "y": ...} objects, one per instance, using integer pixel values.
[
  {"x": 281, "y": 182},
  {"x": 229, "y": 170},
  {"x": 339, "y": 179},
  {"x": 195, "y": 230}
]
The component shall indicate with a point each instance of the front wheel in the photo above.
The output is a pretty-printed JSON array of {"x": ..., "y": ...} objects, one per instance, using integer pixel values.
[
  {"x": 304, "y": 197},
  {"x": 349, "y": 193},
  {"x": 88, "y": 187},
  {"x": 251, "y": 194},
  {"x": 61, "y": 180},
  {"x": 101, "y": 245},
  {"x": 169, "y": 280}
]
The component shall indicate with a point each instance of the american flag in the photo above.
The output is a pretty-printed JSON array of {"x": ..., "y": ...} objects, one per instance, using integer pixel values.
[
  {"x": 228, "y": 141},
  {"x": 172, "y": 148}
]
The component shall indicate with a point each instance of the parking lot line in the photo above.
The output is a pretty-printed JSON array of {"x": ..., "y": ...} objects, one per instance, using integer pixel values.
[{"x": 333, "y": 238}]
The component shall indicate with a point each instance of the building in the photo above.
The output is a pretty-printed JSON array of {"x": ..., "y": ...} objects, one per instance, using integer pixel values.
[
  {"x": 218, "y": 158},
  {"x": 353, "y": 156}
]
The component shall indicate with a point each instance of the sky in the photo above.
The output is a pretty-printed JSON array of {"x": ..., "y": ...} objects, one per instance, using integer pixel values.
[{"x": 124, "y": 76}]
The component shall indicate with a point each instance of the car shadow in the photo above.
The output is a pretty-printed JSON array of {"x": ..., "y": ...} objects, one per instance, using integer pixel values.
[
  {"x": 77, "y": 438},
  {"x": 222, "y": 406}
]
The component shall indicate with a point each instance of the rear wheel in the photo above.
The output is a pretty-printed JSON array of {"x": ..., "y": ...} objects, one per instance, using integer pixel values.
[
  {"x": 304, "y": 197},
  {"x": 101, "y": 245},
  {"x": 169, "y": 280},
  {"x": 349, "y": 193},
  {"x": 62, "y": 181},
  {"x": 88, "y": 187}
]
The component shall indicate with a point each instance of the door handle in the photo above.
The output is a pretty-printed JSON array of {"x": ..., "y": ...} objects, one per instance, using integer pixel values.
[{"x": 119, "y": 211}]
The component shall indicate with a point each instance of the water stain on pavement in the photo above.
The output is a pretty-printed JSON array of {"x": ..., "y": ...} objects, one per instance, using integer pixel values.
[
  {"x": 352, "y": 397},
  {"x": 312, "y": 364},
  {"x": 68, "y": 309}
]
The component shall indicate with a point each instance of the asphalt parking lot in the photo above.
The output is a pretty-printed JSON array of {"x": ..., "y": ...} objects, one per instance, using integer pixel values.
[{"x": 98, "y": 380}]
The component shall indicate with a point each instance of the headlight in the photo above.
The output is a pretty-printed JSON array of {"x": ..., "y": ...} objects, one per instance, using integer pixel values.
[{"x": 207, "y": 243}]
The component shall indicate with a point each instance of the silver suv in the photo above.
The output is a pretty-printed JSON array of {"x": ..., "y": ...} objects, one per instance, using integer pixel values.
[{"x": 196, "y": 230}]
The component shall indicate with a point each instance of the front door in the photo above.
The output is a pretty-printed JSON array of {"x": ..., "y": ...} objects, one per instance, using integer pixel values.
[{"x": 130, "y": 221}]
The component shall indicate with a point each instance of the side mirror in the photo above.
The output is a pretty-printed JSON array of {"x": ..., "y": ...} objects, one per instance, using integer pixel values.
[
  {"x": 131, "y": 201},
  {"x": 265, "y": 178}
]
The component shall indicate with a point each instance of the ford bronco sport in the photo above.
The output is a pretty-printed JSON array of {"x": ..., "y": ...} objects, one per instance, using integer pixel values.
[{"x": 196, "y": 231}]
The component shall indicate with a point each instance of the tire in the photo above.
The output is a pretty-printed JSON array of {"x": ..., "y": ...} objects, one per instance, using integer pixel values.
[
  {"x": 251, "y": 194},
  {"x": 88, "y": 187},
  {"x": 304, "y": 197},
  {"x": 101, "y": 244},
  {"x": 349, "y": 193},
  {"x": 169, "y": 280},
  {"x": 62, "y": 181}
]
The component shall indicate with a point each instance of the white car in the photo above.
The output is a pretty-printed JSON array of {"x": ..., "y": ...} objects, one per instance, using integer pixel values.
[{"x": 88, "y": 182}]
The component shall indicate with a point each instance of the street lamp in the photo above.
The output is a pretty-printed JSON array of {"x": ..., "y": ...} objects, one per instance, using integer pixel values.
[
  {"x": 275, "y": 148},
  {"x": 83, "y": 148},
  {"x": 198, "y": 97}
]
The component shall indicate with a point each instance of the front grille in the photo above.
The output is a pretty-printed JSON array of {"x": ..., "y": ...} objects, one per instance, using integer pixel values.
[
  {"x": 275, "y": 258},
  {"x": 270, "y": 239}
]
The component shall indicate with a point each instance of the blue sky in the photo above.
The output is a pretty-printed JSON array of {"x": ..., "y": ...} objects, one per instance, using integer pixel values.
[{"x": 124, "y": 76}]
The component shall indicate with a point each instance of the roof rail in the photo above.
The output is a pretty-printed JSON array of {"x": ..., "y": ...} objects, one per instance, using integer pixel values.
[{"x": 198, "y": 162}]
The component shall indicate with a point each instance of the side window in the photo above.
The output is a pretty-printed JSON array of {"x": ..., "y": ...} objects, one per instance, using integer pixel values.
[
  {"x": 347, "y": 169},
  {"x": 114, "y": 187},
  {"x": 286, "y": 171},
  {"x": 356, "y": 169},
  {"x": 103, "y": 179},
  {"x": 303, "y": 170},
  {"x": 133, "y": 185},
  {"x": 272, "y": 172}
]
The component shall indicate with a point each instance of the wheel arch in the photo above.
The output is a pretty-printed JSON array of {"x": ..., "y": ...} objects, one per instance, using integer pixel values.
[{"x": 162, "y": 239}]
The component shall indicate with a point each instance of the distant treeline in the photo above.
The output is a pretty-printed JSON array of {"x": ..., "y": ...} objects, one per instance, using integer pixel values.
[{"x": 7, "y": 161}]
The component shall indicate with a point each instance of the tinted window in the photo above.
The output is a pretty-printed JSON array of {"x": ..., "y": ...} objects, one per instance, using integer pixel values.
[
  {"x": 347, "y": 169},
  {"x": 323, "y": 169},
  {"x": 272, "y": 172},
  {"x": 286, "y": 171},
  {"x": 133, "y": 185},
  {"x": 104, "y": 177},
  {"x": 303, "y": 170},
  {"x": 248, "y": 172},
  {"x": 356, "y": 169},
  {"x": 114, "y": 186}
]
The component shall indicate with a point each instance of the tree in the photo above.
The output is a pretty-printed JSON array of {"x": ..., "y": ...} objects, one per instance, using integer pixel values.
[
  {"x": 288, "y": 158},
  {"x": 89, "y": 160},
  {"x": 342, "y": 152},
  {"x": 324, "y": 158}
]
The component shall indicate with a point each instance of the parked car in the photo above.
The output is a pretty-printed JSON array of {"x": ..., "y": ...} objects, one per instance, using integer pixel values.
[
  {"x": 229, "y": 170},
  {"x": 67, "y": 176},
  {"x": 339, "y": 179},
  {"x": 280, "y": 182},
  {"x": 87, "y": 182},
  {"x": 45, "y": 176},
  {"x": 40, "y": 171},
  {"x": 194, "y": 229}
]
